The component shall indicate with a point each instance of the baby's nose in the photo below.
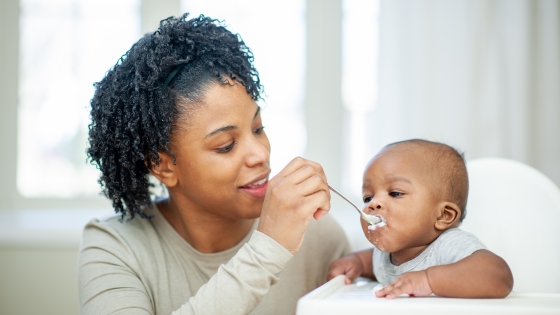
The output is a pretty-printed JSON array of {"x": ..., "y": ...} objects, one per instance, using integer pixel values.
[{"x": 373, "y": 205}]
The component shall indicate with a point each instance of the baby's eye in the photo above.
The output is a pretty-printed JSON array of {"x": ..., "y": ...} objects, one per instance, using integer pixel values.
[
  {"x": 367, "y": 199},
  {"x": 395, "y": 194}
]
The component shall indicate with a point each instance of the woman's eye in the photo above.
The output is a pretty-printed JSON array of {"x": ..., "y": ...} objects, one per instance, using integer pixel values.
[
  {"x": 395, "y": 194},
  {"x": 367, "y": 199},
  {"x": 259, "y": 130},
  {"x": 226, "y": 148}
]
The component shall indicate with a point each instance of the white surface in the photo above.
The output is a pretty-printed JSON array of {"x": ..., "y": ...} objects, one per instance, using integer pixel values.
[
  {"x": 336, "y": 298},
  {"x": 515, "y": 211}
]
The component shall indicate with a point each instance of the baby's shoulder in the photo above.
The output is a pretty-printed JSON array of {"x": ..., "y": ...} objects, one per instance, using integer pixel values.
[
  {"x": 455, "y": 235},
  {"x": 455, "y": 244}
]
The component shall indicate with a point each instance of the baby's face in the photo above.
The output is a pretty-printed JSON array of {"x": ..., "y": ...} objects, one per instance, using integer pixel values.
[{"x": 398, "y": 188}]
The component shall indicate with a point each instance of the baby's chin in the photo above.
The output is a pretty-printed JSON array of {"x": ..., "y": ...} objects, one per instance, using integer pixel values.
[{"x": 375, "y": 240}]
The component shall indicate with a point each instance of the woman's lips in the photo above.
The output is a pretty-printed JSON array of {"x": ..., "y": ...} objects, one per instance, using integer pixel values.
[{"x": 256, "y": 189}]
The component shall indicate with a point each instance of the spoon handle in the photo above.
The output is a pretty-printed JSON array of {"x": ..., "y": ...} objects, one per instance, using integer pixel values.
[{"x": 350, "y": 202}]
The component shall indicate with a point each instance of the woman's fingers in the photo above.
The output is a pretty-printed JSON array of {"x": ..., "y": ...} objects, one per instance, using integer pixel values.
[
  {"x": 299, "y": 163},
  {"x": 312, "y": 184},
  {"x": 296, "y": 194},
  {"x": 319, "y": 201}
]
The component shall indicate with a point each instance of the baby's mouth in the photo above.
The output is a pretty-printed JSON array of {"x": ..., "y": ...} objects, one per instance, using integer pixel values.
[{"x": 373, "y": 227}]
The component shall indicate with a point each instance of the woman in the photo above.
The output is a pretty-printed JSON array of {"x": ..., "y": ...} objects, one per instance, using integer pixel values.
[{"x": 181, "y": 106}]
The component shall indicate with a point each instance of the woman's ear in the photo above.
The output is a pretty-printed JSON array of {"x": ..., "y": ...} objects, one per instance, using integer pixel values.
[
  {"x": 165, "y": 171},
  {"x": 448, "y": 216}
]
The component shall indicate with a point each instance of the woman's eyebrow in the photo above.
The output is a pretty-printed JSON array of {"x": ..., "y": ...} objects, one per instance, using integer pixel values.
[
  {"x": 231, "y": 127},
  {"x": 221, "y": 129}
]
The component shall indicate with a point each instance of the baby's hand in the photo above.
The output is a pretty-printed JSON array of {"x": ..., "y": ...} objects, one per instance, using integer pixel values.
[
  {"x": 350, "y": 265},
  {"x": 414, "y": 283}
]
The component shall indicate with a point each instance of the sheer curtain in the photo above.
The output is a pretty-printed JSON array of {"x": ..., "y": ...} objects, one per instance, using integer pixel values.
[{"x": 483, "y": 76}]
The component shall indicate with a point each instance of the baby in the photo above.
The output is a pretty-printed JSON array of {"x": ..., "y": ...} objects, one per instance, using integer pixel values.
[{"x": 420, "y": 188}]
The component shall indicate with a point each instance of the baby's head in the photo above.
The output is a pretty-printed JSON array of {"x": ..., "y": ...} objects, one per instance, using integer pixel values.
[{"x": 420, "y": 188}]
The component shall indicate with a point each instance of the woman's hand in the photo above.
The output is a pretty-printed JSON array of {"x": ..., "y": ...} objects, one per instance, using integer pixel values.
[{"x": 296, "y": 194}]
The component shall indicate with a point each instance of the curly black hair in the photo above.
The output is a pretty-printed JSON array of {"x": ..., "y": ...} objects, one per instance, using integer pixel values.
[{"x": 141, "y": 101}]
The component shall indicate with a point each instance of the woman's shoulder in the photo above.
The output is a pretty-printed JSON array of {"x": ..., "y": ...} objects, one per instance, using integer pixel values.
[
  {"x": 113, "y": 231},
  {"x": 115, "y": 223}
]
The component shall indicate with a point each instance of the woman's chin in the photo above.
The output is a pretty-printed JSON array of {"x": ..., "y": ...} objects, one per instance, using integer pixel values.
[{"x": 250, "y": 212}]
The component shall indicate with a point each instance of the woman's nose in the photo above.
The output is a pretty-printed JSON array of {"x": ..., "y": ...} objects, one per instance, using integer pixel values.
[{"x": 258, "y": 152}]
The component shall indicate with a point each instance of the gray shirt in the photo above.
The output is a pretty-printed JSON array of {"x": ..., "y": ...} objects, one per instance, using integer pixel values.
[
  {"x": 451, "y": 246},
  {"x": 145, "y": 267}
]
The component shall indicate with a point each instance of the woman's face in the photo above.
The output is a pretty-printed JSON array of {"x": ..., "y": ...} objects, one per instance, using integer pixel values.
[{"x": 223, "y": 154}]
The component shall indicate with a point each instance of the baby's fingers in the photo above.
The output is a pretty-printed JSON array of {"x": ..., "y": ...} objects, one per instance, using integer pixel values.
[
  {"x": 335, "y": 270},
  {"x": 350, "y": 271},
  {"x": 394, "y": 290},
  {"x": 383, "y": 292}
]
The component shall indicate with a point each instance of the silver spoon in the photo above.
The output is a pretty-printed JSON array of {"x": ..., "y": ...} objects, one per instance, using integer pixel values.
[{"x": 371, "y": 219}]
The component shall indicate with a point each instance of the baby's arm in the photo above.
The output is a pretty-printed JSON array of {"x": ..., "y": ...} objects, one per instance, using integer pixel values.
[
  {"x": 480, "y": 275},
  {"x": 354, "y": 265}
]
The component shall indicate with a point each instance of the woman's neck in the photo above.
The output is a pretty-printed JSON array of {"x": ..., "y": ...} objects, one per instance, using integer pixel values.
[{"x": 204, "y": 231}]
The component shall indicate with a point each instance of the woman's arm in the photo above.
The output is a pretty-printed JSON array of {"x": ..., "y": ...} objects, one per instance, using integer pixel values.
[
  {"x": 239, "y": 285},
  {"x": 482, "y": 274},
  {"x": 112, "y": 280}
]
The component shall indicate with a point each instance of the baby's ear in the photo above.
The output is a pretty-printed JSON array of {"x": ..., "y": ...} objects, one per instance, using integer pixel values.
[
  {"x": 165, "y": 170},
  {"x": 448, "y": 216}
]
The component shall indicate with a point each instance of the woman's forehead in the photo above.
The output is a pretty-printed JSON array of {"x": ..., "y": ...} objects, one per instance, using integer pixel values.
[{"x": 222, "y": 105}]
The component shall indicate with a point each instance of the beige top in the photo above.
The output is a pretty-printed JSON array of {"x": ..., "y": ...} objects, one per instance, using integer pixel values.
[{"x": 145, "y": 267}]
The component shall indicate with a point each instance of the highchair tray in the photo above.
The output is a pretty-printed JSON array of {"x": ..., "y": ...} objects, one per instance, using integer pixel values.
[{"x": 334, "y": 297}]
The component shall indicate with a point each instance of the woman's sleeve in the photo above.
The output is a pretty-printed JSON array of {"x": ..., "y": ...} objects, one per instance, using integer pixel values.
[
  {"x": 109, "y": 282},
  {"x": 239, "y": 285}
]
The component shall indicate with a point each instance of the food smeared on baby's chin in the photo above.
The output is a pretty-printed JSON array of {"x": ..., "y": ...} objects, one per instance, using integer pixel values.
[
  {"x": 373, "y": 232},
  {"x": 373, "y": 227}
]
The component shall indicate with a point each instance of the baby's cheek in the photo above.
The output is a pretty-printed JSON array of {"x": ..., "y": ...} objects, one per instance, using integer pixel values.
[{"x": 380, "y": 239}]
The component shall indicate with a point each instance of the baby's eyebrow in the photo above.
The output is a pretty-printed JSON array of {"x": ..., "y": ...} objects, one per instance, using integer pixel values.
[{"x": 398, "y": 179}]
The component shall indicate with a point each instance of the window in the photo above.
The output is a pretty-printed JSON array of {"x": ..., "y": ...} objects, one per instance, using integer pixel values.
[{"x": 65, "y": 46}]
